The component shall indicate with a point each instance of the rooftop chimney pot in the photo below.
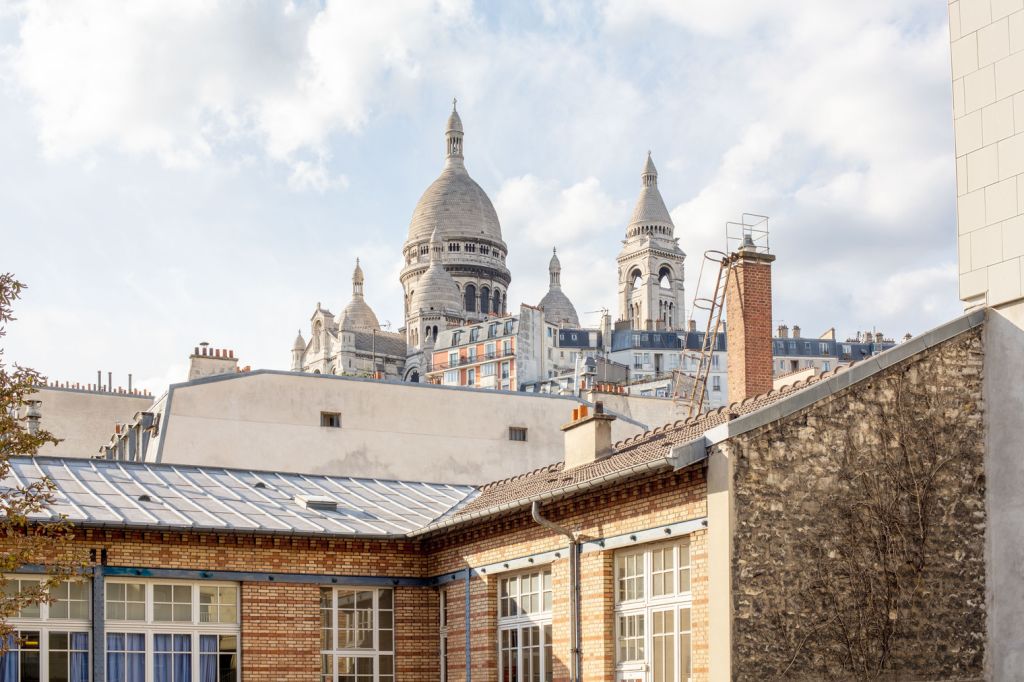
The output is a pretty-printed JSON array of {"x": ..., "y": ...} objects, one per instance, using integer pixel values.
[{"x": 588, "y": 437}]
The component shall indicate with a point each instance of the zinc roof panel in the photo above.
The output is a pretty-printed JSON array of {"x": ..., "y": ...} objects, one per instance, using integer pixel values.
[{"x": 109, "y": 492}]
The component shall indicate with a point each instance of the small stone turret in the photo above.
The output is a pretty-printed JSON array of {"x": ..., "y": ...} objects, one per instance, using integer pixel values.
[
  {"x": 298, "y": 350},
  {"x": 558, "y": 309}
]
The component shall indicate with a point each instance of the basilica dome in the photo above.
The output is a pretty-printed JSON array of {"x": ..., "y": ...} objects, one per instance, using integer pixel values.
[
  {"x": 558, "y": 309},
  {"x": 457, "y": 207},
  {"x": 435, "y": 290},
  {"x": 358, "y": 314},
  {"x": 454, "y": 204},
  {"x": 459, "y": 213}
]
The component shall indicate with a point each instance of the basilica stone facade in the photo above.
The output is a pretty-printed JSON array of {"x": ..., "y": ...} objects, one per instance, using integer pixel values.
[
  {"x": 351, "y": 343},
  {"x": 455, "y": 274}
]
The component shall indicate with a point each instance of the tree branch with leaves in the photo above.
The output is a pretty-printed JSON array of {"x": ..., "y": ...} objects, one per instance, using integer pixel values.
[{"x": 29, "y": 532}]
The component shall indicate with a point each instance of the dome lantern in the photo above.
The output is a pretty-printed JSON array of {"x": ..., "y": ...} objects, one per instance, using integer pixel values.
[{"x": 453, "y": 135}]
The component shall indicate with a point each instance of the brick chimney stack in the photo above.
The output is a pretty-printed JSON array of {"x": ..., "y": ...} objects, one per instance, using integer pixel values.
[
  {"x": 749, "y": 323},
  {"x": 205, "y": 361}
]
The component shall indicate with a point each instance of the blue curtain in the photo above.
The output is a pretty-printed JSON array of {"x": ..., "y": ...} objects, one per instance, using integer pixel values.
[
  {"x": 115, "y": 659},
  {"x": 80, "y": 658},
  {"x": 208, "y": 658},
  {"x": 136, "y": 642},
  {"x": 9, "y": 661},
  {"x": 161, "y": 658},
  {"x": 182, "y": 658}
]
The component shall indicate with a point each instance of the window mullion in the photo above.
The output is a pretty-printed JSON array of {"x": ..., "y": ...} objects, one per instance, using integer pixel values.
[
  {"x": 519, "y": 652},
  {"x": 44, "y": 651}
]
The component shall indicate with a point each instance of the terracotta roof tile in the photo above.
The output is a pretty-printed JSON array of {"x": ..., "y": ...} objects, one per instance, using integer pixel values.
[{"x": 640, "y": 449}]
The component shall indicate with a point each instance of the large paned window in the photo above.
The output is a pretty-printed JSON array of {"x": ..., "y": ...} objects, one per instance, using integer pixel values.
[
  {"x": 357, "y": 634},
  {"x": 51, "y": 640},
  {"x": 524, "y": 627},
  {"x": 652, "y": 613},
  {"x": 171, "y": 631}
]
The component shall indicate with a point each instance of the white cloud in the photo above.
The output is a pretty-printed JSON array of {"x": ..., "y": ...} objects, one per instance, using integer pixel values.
[
  {"x": 721, "y": 18},
  {"x": 315, "y": 176},
  {"x": 922, "y": 288},
  {"x": 181, "y": 80},
  {"x": 547, "y": 214},
  {"x": 580, "y": 219},
  {"x": 831, "y": 117}
]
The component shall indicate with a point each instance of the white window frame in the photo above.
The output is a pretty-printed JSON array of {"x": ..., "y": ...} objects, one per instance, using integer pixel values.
[
  {"x": 150, "y": 627},
  {"x": 45, "y": 625},
  {"x": 643, "y": 605},
  {"x": 520, "y": 621},
  {"x": 442, "y": 624},
  {"x": 336, "y": 653}
]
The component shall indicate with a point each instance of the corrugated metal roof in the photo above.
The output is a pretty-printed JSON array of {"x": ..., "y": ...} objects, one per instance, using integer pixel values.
[{"x": 178, "y": 497}]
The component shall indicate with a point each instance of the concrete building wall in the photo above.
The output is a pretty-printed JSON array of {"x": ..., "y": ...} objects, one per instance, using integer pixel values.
[
  {"x": 987, "y": 55},
  {"x": 1004, "y": 472},
  {"x": 84, "y": 419},
  {"x": 271, "y": 420},
  {"x": 649, "y": 410},
  {"x": 987, "y": 49}
]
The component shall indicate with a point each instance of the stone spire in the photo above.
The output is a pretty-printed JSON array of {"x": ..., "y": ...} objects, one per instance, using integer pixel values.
[
  {"x": 650, "y": 215},
  {"x": 357, "y": 280},
  {"x": 554, "y": 270},
  {"x": 453, "y": 137},
  {"x": 649, "y": 176},
  {"x": 558, "y": 309}
]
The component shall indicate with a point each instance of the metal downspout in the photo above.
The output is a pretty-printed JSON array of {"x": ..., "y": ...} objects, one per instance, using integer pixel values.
[
  {"x": 469, "y": 652},
  {"x": 97, "y": 645},
  {"x": 574, "y": 590}
]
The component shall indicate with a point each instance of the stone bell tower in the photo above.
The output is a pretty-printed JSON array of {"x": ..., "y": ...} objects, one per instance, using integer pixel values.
[{"x": 651, "y": 284}]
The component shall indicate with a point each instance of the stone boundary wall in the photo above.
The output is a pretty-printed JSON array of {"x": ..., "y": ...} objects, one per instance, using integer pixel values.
[{"x": 820, "y": 494}]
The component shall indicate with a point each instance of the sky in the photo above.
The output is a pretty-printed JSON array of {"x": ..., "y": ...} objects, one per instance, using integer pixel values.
[{"x": 177, "y": 172}]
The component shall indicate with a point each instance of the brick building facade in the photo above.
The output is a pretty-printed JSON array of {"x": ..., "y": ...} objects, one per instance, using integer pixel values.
[{"x": 688, "y": 542}]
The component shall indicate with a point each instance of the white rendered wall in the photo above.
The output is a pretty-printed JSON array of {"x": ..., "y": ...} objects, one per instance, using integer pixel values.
[
  {"x": 84, "y": 419},
  {"x": 987, "y": 46},
  {"x": 421, "y": 432}
]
